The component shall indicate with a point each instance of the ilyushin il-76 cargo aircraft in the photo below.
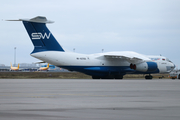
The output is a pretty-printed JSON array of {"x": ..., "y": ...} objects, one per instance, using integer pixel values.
[{"x": 107, "y": 65}]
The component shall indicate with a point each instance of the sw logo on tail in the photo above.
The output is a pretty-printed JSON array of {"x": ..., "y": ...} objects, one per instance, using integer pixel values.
[
  {"x": 40, "y": 36},
  {"x": 107, "y": 65}
]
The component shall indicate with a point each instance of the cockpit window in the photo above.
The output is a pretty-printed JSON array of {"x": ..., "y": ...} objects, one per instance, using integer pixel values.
[{"x": 168, "y": 60}]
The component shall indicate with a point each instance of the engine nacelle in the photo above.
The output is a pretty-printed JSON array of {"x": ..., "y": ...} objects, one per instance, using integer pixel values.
[{"x": 145, "y": 66}]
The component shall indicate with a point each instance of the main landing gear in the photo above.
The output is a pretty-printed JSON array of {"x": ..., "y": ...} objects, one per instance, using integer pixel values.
[
  {"x": 107, "y": 77},
  {"x": 148, "y": 76}
]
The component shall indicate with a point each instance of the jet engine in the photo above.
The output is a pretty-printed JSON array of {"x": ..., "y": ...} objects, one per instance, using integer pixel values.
[{"x": 144, "y": 67}]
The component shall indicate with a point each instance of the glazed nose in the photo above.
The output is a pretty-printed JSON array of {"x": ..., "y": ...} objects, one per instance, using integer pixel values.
[{"x": 173, "y": 66}]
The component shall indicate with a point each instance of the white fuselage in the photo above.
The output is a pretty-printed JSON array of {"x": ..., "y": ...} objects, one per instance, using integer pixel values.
[{"x": 64, "y": 59}]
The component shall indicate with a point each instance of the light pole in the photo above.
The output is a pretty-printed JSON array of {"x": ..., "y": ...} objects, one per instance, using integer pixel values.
[
  {"x": 14, "y": 55},
  {"x": 102, "y": 50}
]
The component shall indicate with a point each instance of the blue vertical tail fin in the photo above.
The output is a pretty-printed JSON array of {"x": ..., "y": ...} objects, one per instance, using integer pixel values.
[{"x": 41, "y": 37}]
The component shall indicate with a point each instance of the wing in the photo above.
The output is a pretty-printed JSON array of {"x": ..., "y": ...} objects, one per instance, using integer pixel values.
[{"x": 131, "y": 57}]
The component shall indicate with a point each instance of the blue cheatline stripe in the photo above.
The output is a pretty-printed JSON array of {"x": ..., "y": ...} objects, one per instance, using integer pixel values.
[
  {"x": 152, "y": 66},
  {"x": 41, "y": 37},
  {"x": 105, "y": 70}
]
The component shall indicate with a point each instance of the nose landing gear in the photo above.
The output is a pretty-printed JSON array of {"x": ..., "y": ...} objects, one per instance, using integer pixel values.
[{"x": 148, "y": 76}]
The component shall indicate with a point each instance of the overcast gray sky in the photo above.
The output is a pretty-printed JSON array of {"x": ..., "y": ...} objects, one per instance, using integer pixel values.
[{"x": 150, "y": 27}]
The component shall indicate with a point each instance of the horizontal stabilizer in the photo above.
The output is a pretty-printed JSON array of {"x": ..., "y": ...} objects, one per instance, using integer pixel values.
[
  {"x": 40, "y": 62},
  {"x": 38, "y": 19}
]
